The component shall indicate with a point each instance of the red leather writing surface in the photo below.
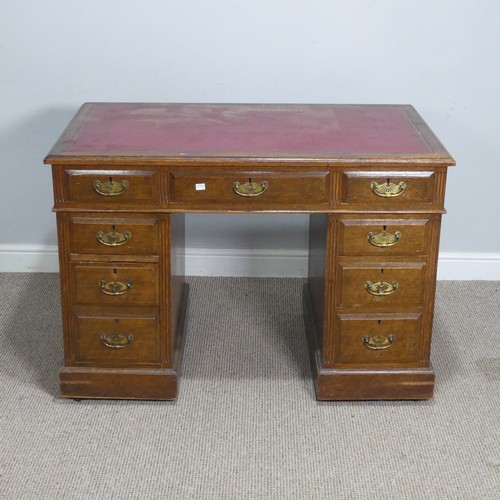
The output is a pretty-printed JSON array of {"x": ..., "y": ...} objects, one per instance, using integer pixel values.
[{"x": 239, "y": 130}]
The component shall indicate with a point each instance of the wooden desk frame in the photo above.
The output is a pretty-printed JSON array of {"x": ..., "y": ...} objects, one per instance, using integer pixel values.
[{"x": 369, "y": 299}]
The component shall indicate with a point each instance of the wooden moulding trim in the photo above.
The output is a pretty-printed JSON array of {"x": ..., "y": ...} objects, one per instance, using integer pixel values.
[
  {"x": 65, "y": 283},
  {"x": 311, "y": 332},
  {"x": 329, "y": 339},
  {"x": 114, "y": 259},
  {"x": 180, "y": 334},
  {"x": 164, "y": 280},
  {"x": 111, "y": 159},
  {"x": 325, "y": 209}
]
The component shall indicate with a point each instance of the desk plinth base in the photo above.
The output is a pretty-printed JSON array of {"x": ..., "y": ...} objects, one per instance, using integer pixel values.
[
  {"x": 363, "y": 383},
  {"x": 383, "y": 384},
  {"x": 113, "y": 383}
]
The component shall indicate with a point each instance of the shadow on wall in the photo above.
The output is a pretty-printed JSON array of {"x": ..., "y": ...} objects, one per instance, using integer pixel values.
[{"x": 26, "y": 189}]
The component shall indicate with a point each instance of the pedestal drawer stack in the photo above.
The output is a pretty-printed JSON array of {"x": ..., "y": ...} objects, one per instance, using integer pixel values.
[
  {"x": 115, "y": 274},
  {"x": 384, "y": 252}
]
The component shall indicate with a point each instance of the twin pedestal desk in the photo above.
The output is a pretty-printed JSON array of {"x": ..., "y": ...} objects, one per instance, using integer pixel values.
[{"x": 371, "y": 177}]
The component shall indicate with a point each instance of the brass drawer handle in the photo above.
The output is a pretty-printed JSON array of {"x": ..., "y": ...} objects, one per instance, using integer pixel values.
[
  {"x": 384, "y": 239},
  {"x": 114, "y": 287},
  {"x": 116, "y": 341},
  {"x": 110, "y": 187},
  {"x": 378, "y": 343},
  {"x": 250, "y": 188},
  {"x": 113, "y": 238},
  {"x": 381, "y": 288},
  {"x": 388, "y": 189}
]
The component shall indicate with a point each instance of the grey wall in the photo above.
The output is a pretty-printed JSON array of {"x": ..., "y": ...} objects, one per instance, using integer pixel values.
[{"x": 439, "y": 55}]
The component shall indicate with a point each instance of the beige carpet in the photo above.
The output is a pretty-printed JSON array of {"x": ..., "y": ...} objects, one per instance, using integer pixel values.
[{"x": 247, "y": 425}]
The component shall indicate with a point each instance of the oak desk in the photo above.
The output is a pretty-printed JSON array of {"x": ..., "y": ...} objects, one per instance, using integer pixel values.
[{"x": 372, "y": 179}]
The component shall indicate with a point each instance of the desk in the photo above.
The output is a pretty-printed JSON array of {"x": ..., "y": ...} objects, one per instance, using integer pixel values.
[{"x": 371, "y": 177}]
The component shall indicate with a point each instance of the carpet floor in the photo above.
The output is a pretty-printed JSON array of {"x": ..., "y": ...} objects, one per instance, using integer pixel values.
[{"x": 247, "y": 425}]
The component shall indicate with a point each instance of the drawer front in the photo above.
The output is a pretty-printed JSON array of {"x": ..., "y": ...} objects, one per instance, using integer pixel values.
[
  {"x": 130, "y": 285},
  {"x": 370, "y": 237},
  {"x": 379, "y": 339},
  {"x": 247, "y": 188},
  {"x": 387, "y": 189},
  {"x": 114, "y": 235},
  {"x": 381, "y": 285},
  {"x": 111, "y": 187},
  {"x": 117, "y": 341}
]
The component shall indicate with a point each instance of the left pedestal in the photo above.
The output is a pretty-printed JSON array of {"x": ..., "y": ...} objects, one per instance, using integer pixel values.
[{"x": 124, "y": 304}]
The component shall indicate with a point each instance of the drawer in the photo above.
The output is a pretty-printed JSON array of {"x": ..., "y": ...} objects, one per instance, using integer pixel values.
[
  {"x": 114, "y": 235},
  {"x": 387, "y": 190},
  {"x": 203, "y": 187},
  {"x": 381, "y": 285},
  {"x": 370, "y": 237},
  {"x": 116, "y": 341},
  {"x": 115, "y": 285},
  {"x": 378, "y": 339},
  {"x": 111, "y": 187}
]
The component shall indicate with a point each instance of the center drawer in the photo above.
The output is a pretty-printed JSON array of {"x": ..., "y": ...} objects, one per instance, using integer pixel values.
[{"x": 295, "y": 188}]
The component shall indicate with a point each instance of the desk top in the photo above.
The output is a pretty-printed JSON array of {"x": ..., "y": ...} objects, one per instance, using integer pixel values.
[{"x": 177, "y": 133}]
